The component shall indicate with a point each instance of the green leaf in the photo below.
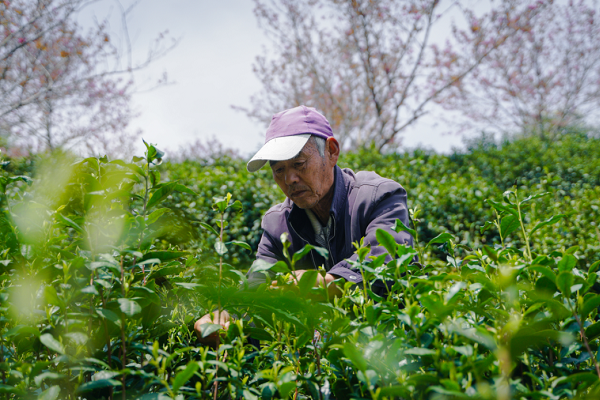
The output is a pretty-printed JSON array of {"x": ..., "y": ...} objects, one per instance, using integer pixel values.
[
  {"x": 307, "y": 281},
  {"x": 69, "y": 222},
  {"x": 156, "y": 215},
  {"x": 258, "y": 334},
  {"x": 209, "y": 228},
  {"x": 545, "y": 271},
  {"x": 503, "y": 208},
  {"x": 590, "y": 304},
  {"x": 395, "y": 392},
  {"x": 109, "y": 315},
  {"x": 441, "y": 238},
  {"x": 241, "y": 244},
  {"x": 508, "y": 225},
  {"x": 420, "y": 351},
  {"x": 593, "y": 331},
  {"x": 567, "y": 263},
  {"x": 387, "y": 240},
  {"x": 129, "y": 307},
  {"x": 159, "y": 195},
  {"x": 182, "y": 377},
  {"x": 550, "y": 221},
  {"x": 564, "y": 281},
  {"x": 99, "y": 384},
  {"x": 594, "y": 267},
  {"x": 237, "y": 206},
  {"x": 535, "y": 196},
  {"x": 220, "y": 247},
  {"x": 302, "y": 252},
  {"x": 50, "y": 394},
  {"x": 400, "y": 227},
  {"x": 209, "y": 328},
  {"x": 356, "y": 356},
  {"x": 48, "y": 340},
  {"x": 164, "y": 255},
  {"x": 184, "y": 189}
]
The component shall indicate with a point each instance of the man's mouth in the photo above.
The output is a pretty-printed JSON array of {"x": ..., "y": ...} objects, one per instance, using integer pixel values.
[{"x": 298, "y": 193}]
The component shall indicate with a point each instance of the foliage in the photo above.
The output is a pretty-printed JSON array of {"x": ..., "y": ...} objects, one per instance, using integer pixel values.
[
  {"x": 60, "y": 85},
  {"x": 105, "y": 266},
  {"x": 543, "y": 78},
  {"x": 372, "y": 68}
]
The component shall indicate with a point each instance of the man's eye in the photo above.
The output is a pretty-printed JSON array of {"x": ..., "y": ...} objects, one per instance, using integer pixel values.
[
  {"x": 299, "y": 165},
  {"x": 279, "y": 171}
]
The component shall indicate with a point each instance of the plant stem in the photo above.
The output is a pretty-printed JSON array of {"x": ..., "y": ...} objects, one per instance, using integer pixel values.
[
  {"x": 216, "y": 384},
  {"x": 525, "y": 237},
  {"x": 123, "y": 345},
  {"x": 587, "y": 345}
]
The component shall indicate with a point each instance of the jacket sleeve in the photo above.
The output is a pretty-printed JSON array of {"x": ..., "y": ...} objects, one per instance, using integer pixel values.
[{"x": 389, "y": 204}]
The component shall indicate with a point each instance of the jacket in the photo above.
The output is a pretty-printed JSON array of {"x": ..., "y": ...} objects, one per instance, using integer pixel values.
[{"x": 362, "y": 203}]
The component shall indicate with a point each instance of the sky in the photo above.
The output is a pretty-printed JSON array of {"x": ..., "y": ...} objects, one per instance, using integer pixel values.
[{"x": 210, "y": 70}]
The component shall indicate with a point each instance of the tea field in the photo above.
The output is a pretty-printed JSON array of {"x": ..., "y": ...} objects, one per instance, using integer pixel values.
[{"x": 105, "y": 265}]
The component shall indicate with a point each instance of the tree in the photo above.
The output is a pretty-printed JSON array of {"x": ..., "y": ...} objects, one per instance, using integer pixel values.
[
  {"x": 61, "y": 87},
  {"x": 545, "y": 77},
  {"x": 368, "y": 65}
]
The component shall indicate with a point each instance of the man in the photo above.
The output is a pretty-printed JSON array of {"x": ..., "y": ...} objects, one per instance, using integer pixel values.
[{"x": 326, "y": 206}]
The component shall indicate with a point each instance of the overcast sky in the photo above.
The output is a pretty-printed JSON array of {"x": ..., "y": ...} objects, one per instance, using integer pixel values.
[{"x": 211, "y": 69}]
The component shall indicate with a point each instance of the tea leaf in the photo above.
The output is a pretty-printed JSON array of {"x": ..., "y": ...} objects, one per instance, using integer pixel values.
[{"x": 182, "y": 377}]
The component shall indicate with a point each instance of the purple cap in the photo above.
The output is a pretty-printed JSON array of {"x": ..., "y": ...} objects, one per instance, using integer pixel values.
[{"x": 288, "y": 133}]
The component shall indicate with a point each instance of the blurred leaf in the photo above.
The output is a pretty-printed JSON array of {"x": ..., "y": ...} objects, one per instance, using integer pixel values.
[
  {"x": 220, "y": 247},
  {"x": 400, "y": 227},
  {"x": 109, "y": 315},
  {"x": 564, "y": 281},
  {"x": 48, "y": 340},
  {"x": 508, "y": 225},
  {"x": 164, "y": 255},
  {"x": 550, "y": 221},
  {"x": 590, "y": 304},
  {"x": 209, "y": 228},
  {"x": 307, "y": 281},
  {"x": 182, "y": 377},
  {"x": 159, "y": 195},
  {"x": 184, "y": 189},
  {"x": 567, "y": 263},
  {"x": 51, "y": 393},
  {"x": 241, "y": 244},
  {"x": 209, "y": 328},
  {"x": 356, "y": 356},
  {"x": 129, "y": 307},
  {"x": 503, "y": 208},
  {"x": 387, "y": 240},
  {"x": 441, "y": 238}
]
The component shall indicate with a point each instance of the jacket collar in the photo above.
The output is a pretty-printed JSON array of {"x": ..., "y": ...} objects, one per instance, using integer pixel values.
[{"x": 298, "y": 219}]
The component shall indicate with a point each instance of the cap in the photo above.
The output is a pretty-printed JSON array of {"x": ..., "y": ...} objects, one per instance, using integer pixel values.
[{"x": 287, "y": 134}]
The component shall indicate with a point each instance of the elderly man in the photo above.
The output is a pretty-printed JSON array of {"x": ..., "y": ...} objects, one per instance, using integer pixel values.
[{"x": 326, "y": 206}]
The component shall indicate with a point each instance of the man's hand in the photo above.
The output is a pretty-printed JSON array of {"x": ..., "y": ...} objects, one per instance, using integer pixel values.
[
  {"x": 212, "y": 340},
  {"x": 322, "y": 281}
]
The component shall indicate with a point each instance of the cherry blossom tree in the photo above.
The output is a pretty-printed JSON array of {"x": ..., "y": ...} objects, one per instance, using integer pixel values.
[
  {"x": 369, "y": 65},
  {"x": 543, "y": 78},
  {"x": 60, "y": 85}
]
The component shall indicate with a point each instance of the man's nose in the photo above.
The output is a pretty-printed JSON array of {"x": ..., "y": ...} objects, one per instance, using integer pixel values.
[{"x": 291, "y": 177}]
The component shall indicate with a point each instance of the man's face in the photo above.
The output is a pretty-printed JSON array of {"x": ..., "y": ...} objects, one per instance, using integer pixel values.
[{"x": 308, "y": 177}]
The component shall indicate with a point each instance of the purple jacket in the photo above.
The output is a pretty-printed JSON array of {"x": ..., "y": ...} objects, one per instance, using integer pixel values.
[{"x": 362, "y": 203}]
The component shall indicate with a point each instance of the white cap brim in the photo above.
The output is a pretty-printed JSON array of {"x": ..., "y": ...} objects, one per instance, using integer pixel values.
[{"x": 278, "y": 149}]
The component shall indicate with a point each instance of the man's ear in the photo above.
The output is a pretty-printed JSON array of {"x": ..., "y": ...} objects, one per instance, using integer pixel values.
[{"x": 332, "y": 150}]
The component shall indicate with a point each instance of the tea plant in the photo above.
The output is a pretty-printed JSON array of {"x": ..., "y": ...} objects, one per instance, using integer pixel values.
[{"x": 102, "y": 277}]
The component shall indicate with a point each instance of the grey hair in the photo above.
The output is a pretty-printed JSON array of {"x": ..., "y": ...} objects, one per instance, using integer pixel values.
[{"x": 319, "y": 143}]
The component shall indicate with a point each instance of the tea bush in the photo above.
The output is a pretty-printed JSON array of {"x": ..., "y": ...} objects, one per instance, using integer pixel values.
[{"x": 105, "y": 266}]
